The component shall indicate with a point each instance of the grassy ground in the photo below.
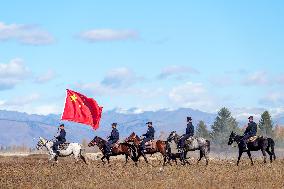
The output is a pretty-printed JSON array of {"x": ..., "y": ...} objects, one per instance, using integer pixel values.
[{"x": 36, "y": 172}]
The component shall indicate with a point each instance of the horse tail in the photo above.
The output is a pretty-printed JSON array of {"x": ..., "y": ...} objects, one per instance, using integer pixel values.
[
  {"x": 271, "y": 143},
  {"x": 133, "y": 150},
  {"x": 208, "y": 145}
]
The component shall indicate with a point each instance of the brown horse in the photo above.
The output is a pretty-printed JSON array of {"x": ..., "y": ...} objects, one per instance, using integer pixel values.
[
  {"x": 159, "y": 146},
  {"x": 118, "y": 149}
]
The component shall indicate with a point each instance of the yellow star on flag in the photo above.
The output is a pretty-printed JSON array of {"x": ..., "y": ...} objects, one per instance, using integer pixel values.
[{"x": 73, "y": 98}]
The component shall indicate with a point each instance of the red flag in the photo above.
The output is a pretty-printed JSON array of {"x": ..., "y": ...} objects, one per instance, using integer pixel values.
[{"x": 81, "y": 109}]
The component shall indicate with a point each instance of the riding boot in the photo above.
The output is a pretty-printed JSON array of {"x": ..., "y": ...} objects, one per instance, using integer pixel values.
[{"x": 108, "y": 151}]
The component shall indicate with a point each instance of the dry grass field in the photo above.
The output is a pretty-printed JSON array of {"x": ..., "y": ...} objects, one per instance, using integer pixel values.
[{"x": 35, "y": 172}]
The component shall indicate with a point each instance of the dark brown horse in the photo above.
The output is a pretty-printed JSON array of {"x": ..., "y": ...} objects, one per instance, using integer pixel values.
[
  {"x": 119, "y": 149},
  {"x": 159, "y": 146},
  {"x": 261, "y": 143}
]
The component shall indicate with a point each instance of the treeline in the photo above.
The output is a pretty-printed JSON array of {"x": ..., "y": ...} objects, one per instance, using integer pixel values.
[
  {"x": 225, "y": 123},
  {"x": 15, "y": 148}
]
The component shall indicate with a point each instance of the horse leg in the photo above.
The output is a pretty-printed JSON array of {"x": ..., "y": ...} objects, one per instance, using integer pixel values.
[
  {"x": 200, "y": 156},
  {"x": 56, "y": 159},
  {"x": 240, "y": 155},
  {"x": 107, "y": 157},
  {"x": 207, "y": 159},
  {"x": 185, "y": 159},
  {"x": 264, "y": 155},
  {"x": 103, "y": 159},
  {"x": 145, "y": 158},
  {"x": 249, "y": 155},
  {"x": 83, "y": 158},
  {"x": 182, "y": 157},
  {"x": 126, "y": 158},
  {"x": 165, "y": 160},
  {"x": 270, "y": 154}
]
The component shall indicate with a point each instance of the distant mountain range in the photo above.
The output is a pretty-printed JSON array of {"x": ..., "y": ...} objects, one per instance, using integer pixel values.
[{"x": 24, "y": 129}]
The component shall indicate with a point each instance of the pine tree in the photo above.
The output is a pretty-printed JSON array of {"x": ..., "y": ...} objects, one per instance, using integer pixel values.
[
  {"x": 202, "y": 131},
  {"x": 224, "y": 124},
  {"x": 266, "y": 124}
]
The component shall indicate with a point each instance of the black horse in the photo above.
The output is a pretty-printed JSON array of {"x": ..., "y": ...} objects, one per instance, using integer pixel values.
[
  {"x": 120, "y": 149},
  {"x": 261, "y": 143}
]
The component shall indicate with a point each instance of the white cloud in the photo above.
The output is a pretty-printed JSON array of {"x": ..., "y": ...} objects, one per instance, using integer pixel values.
[
  {"x": 256, "y": 78},
  {"x": 176, "y": 70},
  {"x": 272, "y": 99},
  {"x": 193, "y": 95},
  {"x": 26, "y": 34},
  {"x": 120, "y": 77},
  {"x": 243, "y": 113},
  {"x": 22, "y": 100},
  {"x": 221, "y": 81},
  {"x": 12, "y": 73},
  {"x": 47, "y": 109},
  {"x": 30, "y": 103},
  {"x": 117, "y": 81},
  {"x": 280, "y": 79},
  {"x": 45, "y": 77},
  {"x": 97, "y": 35}
]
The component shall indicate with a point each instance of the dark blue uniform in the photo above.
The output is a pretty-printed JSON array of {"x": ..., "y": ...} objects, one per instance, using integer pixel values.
[
  {"x": 113, "y": 138},
  {"x": 189, "y": 133},
  {"x": 250, "y": 131},
  {"x": 60, "y": 139},
  {"x": 148, "y": 136}
]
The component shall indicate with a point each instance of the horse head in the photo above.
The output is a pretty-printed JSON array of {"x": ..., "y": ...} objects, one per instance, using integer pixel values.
[
  {"x": 97, "y": 141},
  {"x": 171, "y": 136},
  {"x": 42, "y": 142},
  {"x": 131, "y": 137},
  {"x": 232, "y": 138}
]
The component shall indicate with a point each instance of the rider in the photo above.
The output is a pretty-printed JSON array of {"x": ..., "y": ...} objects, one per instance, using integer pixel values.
[
  {"x": 250, "y": 131},
  {"x": 148, "y": 136},
  {"x": 113, "y": 138},
  {"x": 189, "y": 133},
  {"x": 60, "y": 138}
]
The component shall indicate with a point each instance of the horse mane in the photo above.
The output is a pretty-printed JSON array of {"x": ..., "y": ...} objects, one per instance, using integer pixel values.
[
  {"x": 236, "y": 136},
  {"x": 133, "y": 134},
  {"x": 101, "y": 140},
  {"x": 137, "y": 137}
]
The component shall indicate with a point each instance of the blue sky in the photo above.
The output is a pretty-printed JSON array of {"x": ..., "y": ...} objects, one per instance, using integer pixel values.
[{"x": 149, "y": 55}]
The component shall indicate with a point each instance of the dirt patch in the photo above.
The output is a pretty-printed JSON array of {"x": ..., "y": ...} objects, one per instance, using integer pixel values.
[{"x": 35, "y": 172}]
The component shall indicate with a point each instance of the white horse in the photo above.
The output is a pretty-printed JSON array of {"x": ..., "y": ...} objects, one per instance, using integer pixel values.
[{"x": 73, "y": 148}]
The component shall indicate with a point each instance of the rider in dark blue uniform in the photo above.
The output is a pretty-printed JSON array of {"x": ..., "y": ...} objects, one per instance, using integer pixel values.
[
  {"x": 250, "y": 131},
  {"x": 189, "y": 132},
  {"x": 60, "y": 138},
  {"x": 148, "y": 136},
  {"x": 113, "y": 138}
]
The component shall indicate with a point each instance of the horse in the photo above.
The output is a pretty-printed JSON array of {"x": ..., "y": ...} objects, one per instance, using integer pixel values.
[
  {"x": 195, "y": 143},
  {"x": 159, "y": 146},
  {"x": 261, "y": 143},
  {"x": 118, "y": 149},
  {"x": 72, "y": 148}
]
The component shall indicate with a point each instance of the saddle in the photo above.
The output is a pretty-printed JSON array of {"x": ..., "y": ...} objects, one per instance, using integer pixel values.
[
  {"x": 253, "y": 138},
  {"x": 150, "y": 144},
  {"x": 189, "y": 140},
  {"x": 63, "y": 146},
  {"x": 115, "y": 145}
]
